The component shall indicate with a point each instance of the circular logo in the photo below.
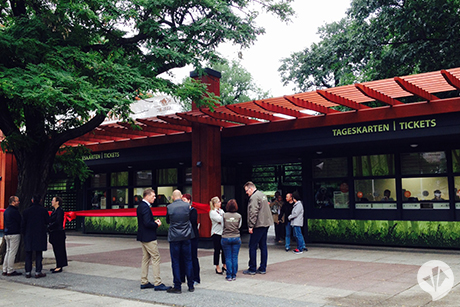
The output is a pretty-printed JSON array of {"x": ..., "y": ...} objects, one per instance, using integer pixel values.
[
  {"x": 407, "y": 194},
  {"x": 359, "y": 194},
  {"x": 436, "y": 278}
]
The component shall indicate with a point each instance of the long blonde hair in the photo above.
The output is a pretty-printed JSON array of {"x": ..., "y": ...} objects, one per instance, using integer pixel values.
[{"x": 213, "y": 201}]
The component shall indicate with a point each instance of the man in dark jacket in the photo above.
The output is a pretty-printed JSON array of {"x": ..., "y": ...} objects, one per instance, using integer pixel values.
[
  {"x": 286, "y": 211},
  {"x": 34, "y": 228},
  {"x": 147, "y": 235},
  {"x": 12, "y": 234},
  {"x": 179, "y": 235}
]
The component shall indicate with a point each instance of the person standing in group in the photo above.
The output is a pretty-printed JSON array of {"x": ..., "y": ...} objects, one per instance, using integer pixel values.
[
  {"x": 259, "y": 219},
  {"x": 194, "y": 242},
  {"x": 216, "y": 215},
  {"x": 296, "y": 219},
  {"x": 231, "y": 241},
  {"x": 179, "y": 235},
  {"x": 35, "y": 220},
  {"x": 275, "y": 207},
  {"x": 12, "y": 233},
  {"x": 147, "y": 235},
  {"x": 286, "y": 210},
  {"x": 57, "y": 234}
]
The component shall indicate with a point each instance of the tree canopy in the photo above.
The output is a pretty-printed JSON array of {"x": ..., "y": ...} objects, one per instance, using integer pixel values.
[
  {"x": 378, "y": 39},
  {"x": 67, "y": 64}
]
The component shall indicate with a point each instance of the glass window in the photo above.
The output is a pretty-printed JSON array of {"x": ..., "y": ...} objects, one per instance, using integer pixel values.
[
  {"x": 331, "y": 194},
  {"x": 143, "y": 178},
  {"x": 99, "y": 180},
  {"x": 456, "y": 160},
  {"x": 374, "y": 165},
  {"x": 119, "y": 198},
  {"x": 167, "y": 176},
  {"x": 423, "y": 163},
  {"x": 425, "y": 189},
  {"x": 457, "y": 191},
  {"x": 330, "y": 167},
  {"x": 381, "y": 190},
  {"x": 164, "y": 196},
  {"x": 98, "y": 199},
  {"x": 119, "y": 179},
  {"x": 138, "y": 195},
  {"x": 188, "y": 175}
]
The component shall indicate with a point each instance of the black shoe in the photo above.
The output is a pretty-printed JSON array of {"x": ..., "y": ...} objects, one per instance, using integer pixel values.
[
  {"x": 220, "y": 273},
  {"x": 162, "y": 287},
  {"x": 261, "y": 272},
  {"x": 305, "y": 249},
  {"x": 191, "y": 289},
  {"x": 287, "y": 249},
  {"x": 224, "y": 269},
  {"x": 28, "y": 275},
  {"x": 147, "y": 286},
  {"x": 4, "y": 273},
  {"x": 40, "y": 275},
  {"x": 57, "y": 271},
  {"x": 174, "y": 290},
  {"x": 51, "y": 270},
  {"x": 248, "y": 272},
  {"x": 14, "y": 273}
]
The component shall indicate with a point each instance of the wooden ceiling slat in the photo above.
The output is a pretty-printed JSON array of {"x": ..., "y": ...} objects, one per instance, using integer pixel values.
[
  {"x": 206, "y": 120},
  {"x": 451, "y": 79},
  {"x": 174, "y": 120},
  {"x": 124, "y": 132},
  {"x": 153, "y": 131},
  {"x": 164, "y": 125},
  {"x": 414, "y": 89},
  {"x": 230, "y": 117},
  {"x": 309, "y": 105},
  {"x": 377, "y": 95},
  {"x": 342, "y": 100},
  {"x": 281, "y": 110},
  {"x": 252, "y": 113}
]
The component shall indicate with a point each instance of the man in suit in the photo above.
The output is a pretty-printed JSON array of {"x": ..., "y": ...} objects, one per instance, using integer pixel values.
[
  {"x": 147, "y": 235},
  {"x": 34, "y": 228},
  {"x": 12, "y": 234},
  {"x": 179, "y": 235}
]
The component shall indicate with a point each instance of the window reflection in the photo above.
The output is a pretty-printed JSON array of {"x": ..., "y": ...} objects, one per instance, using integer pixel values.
[
  {"x": 331, "y": 194},
  {"x": 380, "y": 190}
]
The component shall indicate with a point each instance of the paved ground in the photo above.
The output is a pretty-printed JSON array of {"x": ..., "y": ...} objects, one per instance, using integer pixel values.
[{"x": 105, "y": 270}]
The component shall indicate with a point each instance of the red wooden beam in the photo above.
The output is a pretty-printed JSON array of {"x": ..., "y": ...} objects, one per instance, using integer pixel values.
[
  {"x": 451, "y": 79},
  {"x": 151, "y": 131},
  {"x": 175, "y": 120},
  {"x": 124, "y": 132},
  {"x": 369, "y": 92},
  {"x": 414, "y": 89},
  {"x": 342, "y": 100},
  {"x": 164, "y": 125},
  {"x": 309, "y": 105},
  {"x": 280, "y": 109},
  {"x": 206, "y": 120},
  {"x": 252, "y": 113},
  {"x": 230, "y": 117}
]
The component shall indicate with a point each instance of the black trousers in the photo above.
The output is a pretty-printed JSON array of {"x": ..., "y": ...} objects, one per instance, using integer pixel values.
[
  {"x": 38, "y": 261},
  {"x": 218, "y": 249},
  {"x": 57, "y": 239}
]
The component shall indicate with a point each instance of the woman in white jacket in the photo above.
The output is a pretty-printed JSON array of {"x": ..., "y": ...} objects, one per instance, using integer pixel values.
[
  {"x": 296, "y": 219},
  {"x": 216, "y": 215}
]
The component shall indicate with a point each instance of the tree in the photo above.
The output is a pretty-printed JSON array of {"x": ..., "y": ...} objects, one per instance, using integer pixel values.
[
  {"x": 379, "y": 39},
  {"x": 67, "y": 64},
  {"x": 237, "y": 84}
]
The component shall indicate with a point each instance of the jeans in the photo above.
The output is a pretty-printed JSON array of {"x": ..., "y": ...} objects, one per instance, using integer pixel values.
[
  {"x": 299, "y": 237},
  {"x": 231, "y": 248},
  {"x": 287, "y": 243},
  {"x": 12, "y": 245},
  {"x": 176, "y": 250},
  {"x": 258, "y": 238}
]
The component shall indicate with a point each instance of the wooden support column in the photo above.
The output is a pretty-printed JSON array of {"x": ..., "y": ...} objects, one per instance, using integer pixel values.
[
  {"x": 206, "y": 156},
  {"x": 8, "y": 181}
]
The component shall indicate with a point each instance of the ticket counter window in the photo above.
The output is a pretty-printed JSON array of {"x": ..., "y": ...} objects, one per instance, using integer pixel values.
[
  {"x": 331, "y": 194},
  {"x": 457, "y": 191},
  {"x": 99, "y": 180},
  {"x": 425, "y": 193},
  {"x": 98, "y": 199},
  {"x": 164, "y": 196},
  {"x": 119, "y": 198},
  {"x": 373, "y": 165},
  {"x": 376, "y": 194},
  {"x": 143, "y": 178},
  {"x": 330, "y": 167},
  {"x": 166, "y": 176}
]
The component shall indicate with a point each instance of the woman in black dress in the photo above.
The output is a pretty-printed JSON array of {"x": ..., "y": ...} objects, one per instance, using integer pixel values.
[{"x": 57, "y": 235}]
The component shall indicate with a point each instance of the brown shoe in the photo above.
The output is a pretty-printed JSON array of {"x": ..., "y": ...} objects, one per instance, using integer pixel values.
[
  {"x": 14, "y": 273},
  {"x": 40, "y": 275},
  {"x": 4, "y": 274}
]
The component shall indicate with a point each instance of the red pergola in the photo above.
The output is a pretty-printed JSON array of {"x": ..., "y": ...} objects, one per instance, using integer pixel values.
[{"x": 297, "y": 111}]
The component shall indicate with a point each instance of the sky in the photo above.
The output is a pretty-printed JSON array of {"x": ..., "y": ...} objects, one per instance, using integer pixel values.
[{"x": 262, "y": 59}]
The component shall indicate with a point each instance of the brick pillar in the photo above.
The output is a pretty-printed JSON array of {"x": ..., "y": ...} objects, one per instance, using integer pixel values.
[{"x": 206, "y": 156}]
